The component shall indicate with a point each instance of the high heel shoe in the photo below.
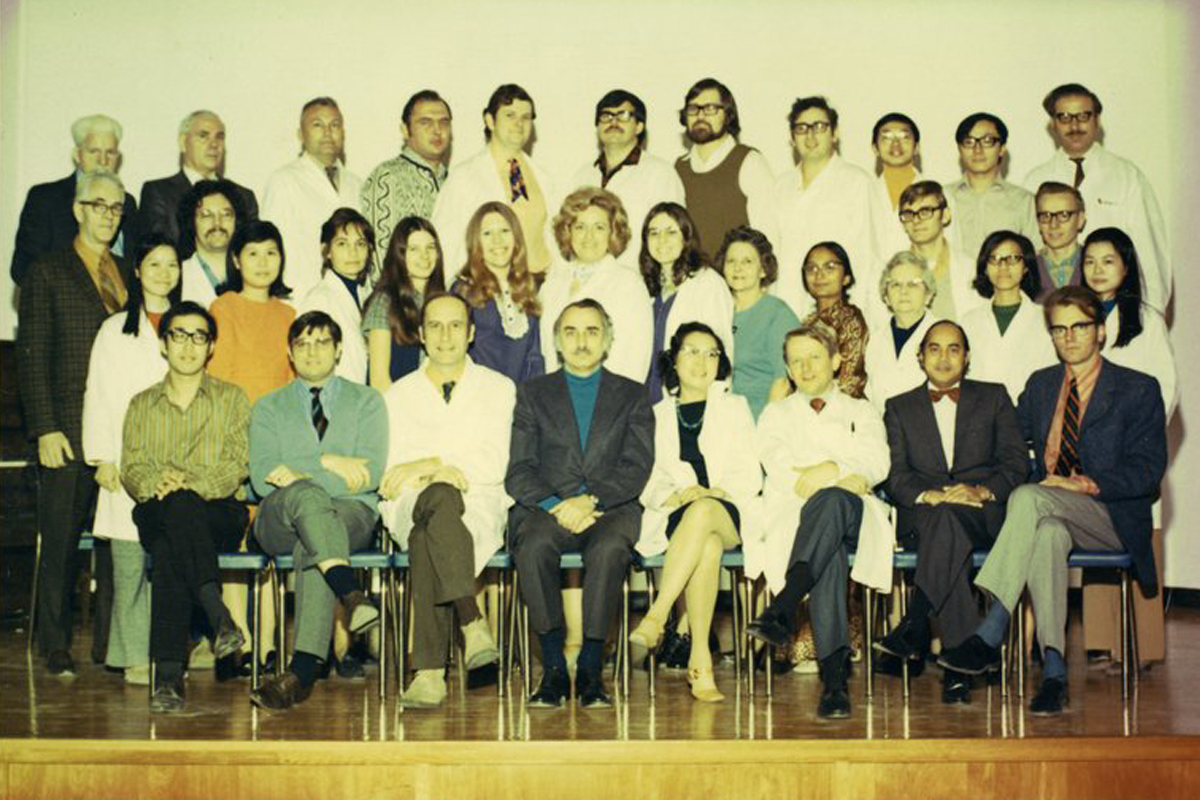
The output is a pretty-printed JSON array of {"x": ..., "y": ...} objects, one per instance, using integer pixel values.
[
  {"x": 645, "y": 637},
  {"x": 704, "y": 688}
]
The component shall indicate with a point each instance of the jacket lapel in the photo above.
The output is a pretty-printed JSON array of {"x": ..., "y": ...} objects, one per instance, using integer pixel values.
[
  {"x": 927, "y": 425},
  {"x": 968, "y": 400},
  {"x": 1101, "y": 400},
  {"x": 601, "y": 416},
  {"x": 563, "y": 409}
]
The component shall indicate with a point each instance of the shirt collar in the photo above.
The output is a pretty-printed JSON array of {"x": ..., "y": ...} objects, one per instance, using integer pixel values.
[
  {"x": 703, "y": 164},
  {"x": 193, "y": 176},
  {"x": 409, "y": 154},
  {"x": 631, "y": 160}
]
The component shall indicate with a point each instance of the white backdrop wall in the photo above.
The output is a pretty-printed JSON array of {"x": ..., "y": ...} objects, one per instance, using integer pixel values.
[{"x": 255, "y": 63}]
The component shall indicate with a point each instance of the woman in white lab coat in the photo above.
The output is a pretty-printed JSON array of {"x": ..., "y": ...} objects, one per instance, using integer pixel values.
[
  {"x": 701, "y": 493},
  {"x": 125, "y": 360},
  {"x": 907, "y": 287},
  {"x": 348, "y": 256},
  {"x": 1008, "y": 336}
]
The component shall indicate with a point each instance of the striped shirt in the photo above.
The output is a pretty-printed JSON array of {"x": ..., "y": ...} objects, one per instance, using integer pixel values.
[{"x": 207, "y": 442}]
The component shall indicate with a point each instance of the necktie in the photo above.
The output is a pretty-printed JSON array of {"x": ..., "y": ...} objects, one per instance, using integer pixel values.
[
  {"x": 1078, "y": 171},
  {"x": 447, "y": 388},
  {"x": 937, "y": 394},
  {"x": 1068, "y": 456},
  {"x": 319, "y": 420},
  {"x": 112, "y": 290},
  {"x": 332, "y": 174},
  {"x": 817, "y": 404},
  {"x": 516, "y": 181}
]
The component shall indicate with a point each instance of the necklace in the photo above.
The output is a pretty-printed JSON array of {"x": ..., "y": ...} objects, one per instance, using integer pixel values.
[{"x": 683, "y": 423}]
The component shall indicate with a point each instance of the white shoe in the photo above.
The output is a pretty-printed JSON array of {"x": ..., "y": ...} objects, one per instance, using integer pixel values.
[
  {"x": 479, "y": 645},
  {"x": 138, "y": 676},
  {"x": 427, "y": 690},
  {"x": 201, "y": 656}
]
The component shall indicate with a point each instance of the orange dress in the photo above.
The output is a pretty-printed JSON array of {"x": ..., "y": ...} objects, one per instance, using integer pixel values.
[{"x": 251, "y": 349}]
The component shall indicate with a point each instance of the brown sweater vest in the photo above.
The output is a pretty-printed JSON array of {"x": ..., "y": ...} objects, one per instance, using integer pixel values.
[{"x": 715, "y": 199}]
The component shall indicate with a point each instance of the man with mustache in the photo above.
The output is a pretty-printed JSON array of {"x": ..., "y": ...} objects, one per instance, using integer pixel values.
[
  {"x": 725, "y": 183},
  {"x": 581, "y": 453},
  {"x": 1115, "y": 192},
  {"x": 209, "y": 213},
  {"x": 624, "y": 167}
]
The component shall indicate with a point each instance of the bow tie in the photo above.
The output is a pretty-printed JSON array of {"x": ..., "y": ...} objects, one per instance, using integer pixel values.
[
  {"x": 937, "y": 394},
  {"x": 817, "y": 404}
]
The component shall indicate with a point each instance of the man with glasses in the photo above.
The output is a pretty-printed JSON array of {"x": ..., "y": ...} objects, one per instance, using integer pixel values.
[
  {"x": 725, "y": 183},
  {"x": 201, "y": 157},
  {"x": 183, "y": 458},
  {"x": 67, "y": 295},
  {"x": 925, "y": 216},
  {"x": 317, "y": 448},
  {"x": 1115, "y": 191},
  {"x": 822, "y": 198},
  {"x": 896, "y": 140},
  {"x": 982, "y": 201},
  {"x": 1061, "y": 217},
  {"x": 624, "y": 167},
  {"x": 47, "y": 221},
  {"x": 1100, "y": 446}
]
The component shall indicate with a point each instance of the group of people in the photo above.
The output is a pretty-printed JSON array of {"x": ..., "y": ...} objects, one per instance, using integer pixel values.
[{"x": 233, "y": 375}]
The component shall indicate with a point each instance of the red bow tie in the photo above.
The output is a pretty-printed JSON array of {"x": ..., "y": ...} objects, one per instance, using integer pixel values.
[
  {"x": 937, "y": 394},
  {"x": 817, "y": 404}
]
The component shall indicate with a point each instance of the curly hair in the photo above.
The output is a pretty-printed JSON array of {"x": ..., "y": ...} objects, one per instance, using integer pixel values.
[
  {"x": 581, "y": 200},
  {"x": 759, "y": 241}
]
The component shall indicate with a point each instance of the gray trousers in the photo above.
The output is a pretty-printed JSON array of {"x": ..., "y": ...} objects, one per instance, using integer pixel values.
[
  {"x": 303, "y": 520},
  {"x": 441, "y": 556},
  {"x": 827, "y": 534},
  {"x": 129, "y": 632},
  {"x": 1042, "y": 526}
]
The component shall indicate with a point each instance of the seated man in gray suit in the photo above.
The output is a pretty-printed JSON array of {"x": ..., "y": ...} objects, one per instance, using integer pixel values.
[
  {"x": 317, "y": 449},
  {"x": 957, "y": 454},
  {"x": 582, "y": 450}
]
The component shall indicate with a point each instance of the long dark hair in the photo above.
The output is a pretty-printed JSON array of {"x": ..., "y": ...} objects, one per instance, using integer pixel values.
[
  {"x": 1129, "y": 293},
  {"x": 137, "y": 298},
  {"x": 404, "y": 315},
  {"x": 1031, "y": 283},
  {"x": 252, "y": 232},
  {"x": 691, "y": 257}
]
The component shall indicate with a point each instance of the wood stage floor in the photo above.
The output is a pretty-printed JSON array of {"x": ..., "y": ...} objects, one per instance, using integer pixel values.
[{"x": 91, "y": 736}]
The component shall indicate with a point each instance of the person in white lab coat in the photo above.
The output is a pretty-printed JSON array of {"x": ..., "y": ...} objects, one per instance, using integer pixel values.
[
  {"x": 125, "y": 360},
  {"x": 449, "y": 425},
  {"x": 907, "y": 287},
  {"x": 702, "y": 492},
  {"x": 822, "y": 451},
  {"x": 301, "y": 195},
  {"x": 1008, "y": 335},
  {"x": 592, "y": 230},
  {"x": 682, "y": 287},
  {"x": 348, "y": 249}
]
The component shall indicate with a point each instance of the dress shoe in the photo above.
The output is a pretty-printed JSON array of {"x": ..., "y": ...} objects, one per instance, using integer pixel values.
[
  {"x": 770, "y": 629},
  {"x": 906, "y": 642},
  {"x": 675, "y": 650},
  {"x": 835, "y": 695},
  {"x": 350, "y": 667},
  {"x": 704, "y": 687},
  {"x": 589, "y": 689},
  {"x": 645, "y": 637},
  {"x": 956, "y": 687},
  {"x": 281, "y": 691},
  {"x": 888, "y": 664},
  {"x": 361, "y": 613},
  {"x": 229, "y": 639},
  {"x": 427, "y": 690},
  {"x": 59, "y": 662},
  {"x": 1051, "y": 699},
  {"x": 552, "y": 692},
  {"x": 479, "y": 648},
  {"x": 974, "y": 657},
  {"x": 138, "y": 676},
  {"x": 167, "y": 697}
]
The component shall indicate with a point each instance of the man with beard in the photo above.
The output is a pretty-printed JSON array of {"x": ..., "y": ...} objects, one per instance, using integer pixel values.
[
  {"x": 725, "y": 183},
  {"x": 208, "y": 215}
]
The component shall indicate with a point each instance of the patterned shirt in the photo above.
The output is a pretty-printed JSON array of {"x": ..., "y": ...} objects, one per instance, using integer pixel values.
[
  {"x": 852, "y": 335},
  {"x": 207, "y": 441},
  {"x": 406, "y": 185}
]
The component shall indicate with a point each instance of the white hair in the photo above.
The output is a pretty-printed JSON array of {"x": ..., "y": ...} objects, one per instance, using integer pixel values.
[
  {"x": 84, "y": 127},
  {"x": 83, "y": 186},
  {"x": 185, "y": 127}
]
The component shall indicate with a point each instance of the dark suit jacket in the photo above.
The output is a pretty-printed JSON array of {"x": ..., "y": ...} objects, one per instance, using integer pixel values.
[
  {"x": 48, "y": 224},
  {"x": 160, "y": 202},
  {"x": 1122, "y": 447},
  {"x": 60, "y": 313},
  {"x": 545, "y": 458},
  {"x": 989, "y": 449}
]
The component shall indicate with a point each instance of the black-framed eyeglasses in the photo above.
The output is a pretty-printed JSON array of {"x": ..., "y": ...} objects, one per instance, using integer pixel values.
[
  {"x": 1082, "y": 116},
  {"x": 706, "y": 110},
  {"x": 624, "y": 115},
  {"x": 104, "y": 209},
  {"x": 909, "y": 214},
  {"x": 181, "y": 336},
  {"x": 1076, "y": 329},
  {"x": 802, "y": 128},
  {"x": 986, "y": 142},
  {"x": 1061, "y": 217},
  {"x": 1010, "y": 260}
]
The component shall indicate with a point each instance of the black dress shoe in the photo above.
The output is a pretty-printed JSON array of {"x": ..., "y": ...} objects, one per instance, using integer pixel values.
[
  {"x": 1051, "y": 699},
  {"x": 675, "y": 650},
  {"x": 956, "y": 687},
  {"x": 974, "y": 657},
  {"x": 888, "y": 664},
  {"x": 350, "y": 667},
  {"x": 834, "y": 704},
  {"x": 906, "y": 642},
  {"x": 281, "y": 691},
  {"x": 59, "y": 662},
  {"x": 167, "y": 697},
  {"x": 228, "y": 640},
  {"x": 835, "y": 696},
  {"x": 770, "y": 629},
  {"x": 589, "y": 688},
  {"x": 553, "y": 691}
]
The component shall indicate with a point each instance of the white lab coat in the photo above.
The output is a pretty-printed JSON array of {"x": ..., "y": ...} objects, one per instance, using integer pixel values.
[
  {"x": 1150, "y": 352},
  {"x": 889, "y": 374},
  {"x": 330, "y": 296},
  {"x": 727, "y": 444},
  {"x": 299, "y": 198},
  {"x": 704, "y": 297},
  {"x": 624, "y": 297},
  {"x": 1009, "y": 359},
  {"x": 1117, "y": 194},
  {"x": 195, "y": 283},
  {"x": 791, "y": 434},
  {"x": 468, "y": 186},
  {"x": 121, "y": 365},
  {"x": 471, "y": 432},
  {"x": 890, "y": 236}
]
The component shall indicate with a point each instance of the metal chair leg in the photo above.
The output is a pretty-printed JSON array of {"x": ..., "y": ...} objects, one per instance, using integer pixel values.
[
  {"x": 869, "y": 638},
  {"x": 1019, "y": 611},
  {"x": 650, "y": 591},
  {"x": 1126, "y": 649},
  {"x": 739, "y": 622},
  {"x": 256, "y": 616},
  {"x": 770, "y": 653},
  {"x": 501, "y": 599},
  {"x": 623, "y": 644},
  {"x": 384, "y": 602},
  {"x": 903, "y": 611},
  {"x": 527, "y": 652},
  {"x": 33, "y": 593},
  {"x": 279, "y": 586}
]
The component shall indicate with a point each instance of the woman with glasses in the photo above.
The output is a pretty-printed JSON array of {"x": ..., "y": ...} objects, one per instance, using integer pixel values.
[
  {"x": 125, "y": 360},
  {"x": 907, "y": 287},
  {"x": 828, "y": 277},
  {"x": 1007, "y": 336}
]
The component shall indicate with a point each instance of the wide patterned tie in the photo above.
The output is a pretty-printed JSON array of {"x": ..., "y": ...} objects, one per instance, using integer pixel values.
[
  {"x": 516, "y": 181},
  {"x": 1068, "y": 456},
  {"x": 1078, "y": 171},
  {"x": 320, "y": 421}
]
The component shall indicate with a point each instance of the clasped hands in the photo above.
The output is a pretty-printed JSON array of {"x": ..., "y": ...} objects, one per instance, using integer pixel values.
[
  {"x": 685, "y": 496},
  {"x": 577, "y": 513},
  {"x": 419, "y": 474},
  {"x": 959, "y": 494},
  {"x": 813, "y": 479}
]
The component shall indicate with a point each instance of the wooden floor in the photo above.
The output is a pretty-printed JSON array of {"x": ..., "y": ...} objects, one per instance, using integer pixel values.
[{"x": 92, "y": 736}]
